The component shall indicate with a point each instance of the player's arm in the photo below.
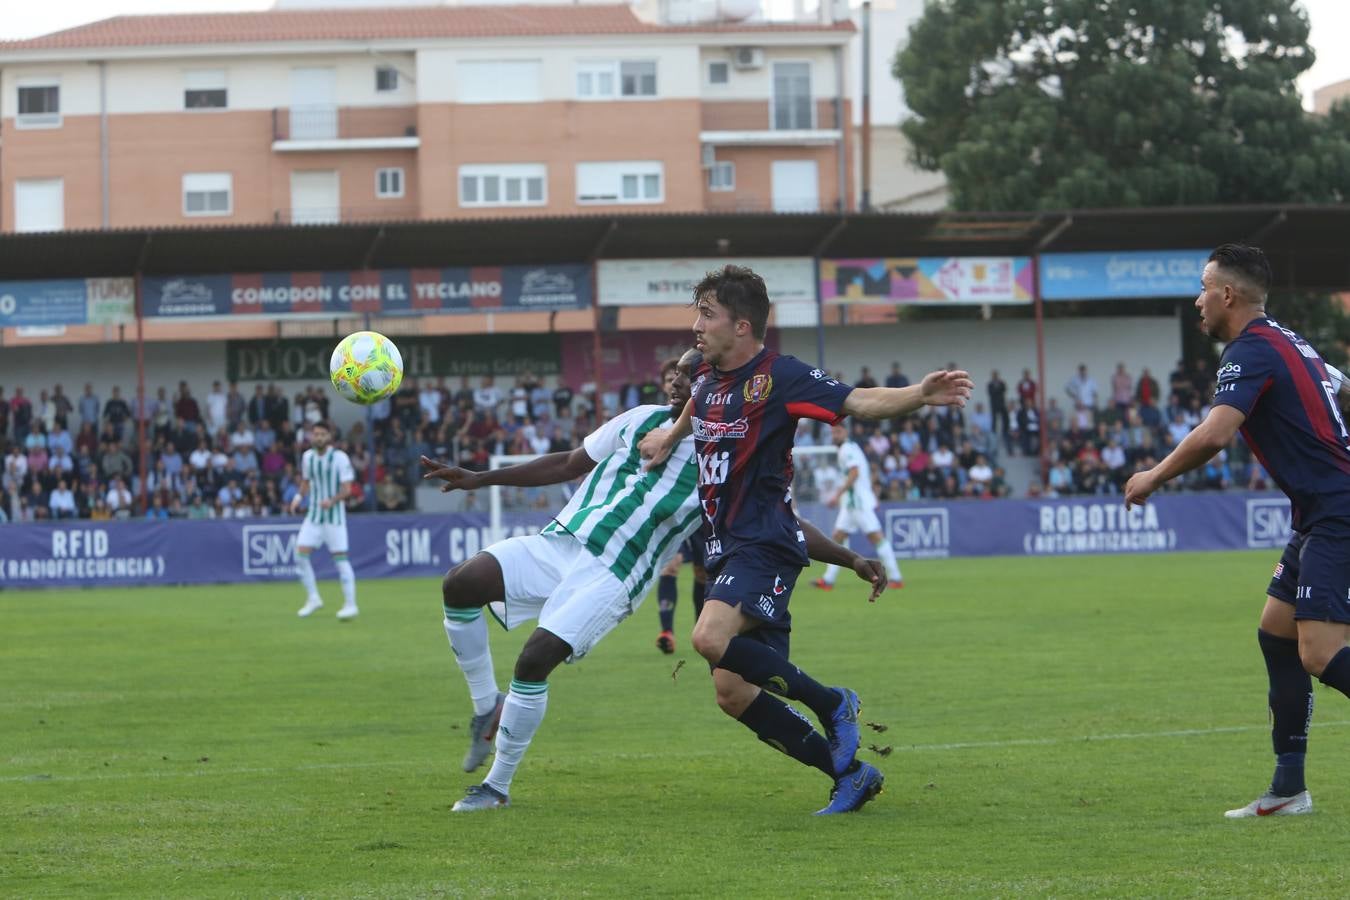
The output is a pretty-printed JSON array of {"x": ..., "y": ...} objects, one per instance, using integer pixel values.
[
  {"x": 300, "y": 495},
  {"x": 820, "y": 548},
  {"x": 844, "y": 488},
  {"x": 940, "y": 388},
  {"x": 344, "y": 491},
  {"x": 657, "y": 444},
  {"x": 552, "y": 468},
  {"x": 1197, "y": 448}
]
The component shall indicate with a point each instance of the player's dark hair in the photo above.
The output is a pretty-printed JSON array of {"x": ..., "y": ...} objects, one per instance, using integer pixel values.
[
  {"x": 1244, "y": 260},
  {"x": 695, "y": 359},
  {"x": 743, "y": 294},
  {"x": 323, "y": 423},
  {"x": 669, "y": 365}
]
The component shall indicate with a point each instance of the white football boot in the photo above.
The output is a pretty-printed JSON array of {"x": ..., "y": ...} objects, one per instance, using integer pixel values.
[
  {"x": 1269, "y": 804},
  {"x": 311, "y": 605}
]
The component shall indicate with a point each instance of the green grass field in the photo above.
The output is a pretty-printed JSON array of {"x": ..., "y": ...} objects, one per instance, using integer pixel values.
[{"x": 1060, "y": 727}]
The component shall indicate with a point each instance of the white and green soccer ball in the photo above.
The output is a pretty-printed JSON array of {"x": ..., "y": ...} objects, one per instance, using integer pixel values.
[{"x": 366, "y": 367}]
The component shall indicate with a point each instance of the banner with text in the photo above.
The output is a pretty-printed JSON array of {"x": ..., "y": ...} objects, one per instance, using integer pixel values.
[
  {"x": 67, "y": 301},
  {"x": 670, "y": 282},
  {"x": 104, "y": 554},
  {"x": 386, "y": 291},
  {"x": 927, "y": 280},
  {"x": 423, "y": 357},
  {"x": 1133, "y": 274}
]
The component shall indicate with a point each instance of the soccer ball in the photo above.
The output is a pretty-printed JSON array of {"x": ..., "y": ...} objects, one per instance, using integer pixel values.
[{"x": 366, "y": 367}]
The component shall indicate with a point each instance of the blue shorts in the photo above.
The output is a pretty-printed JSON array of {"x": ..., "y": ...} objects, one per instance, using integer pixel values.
[
  {"x": 692, "y": 550},
  {"x": 760, "y": 590},
  {"x": 1314, "y": 576}
]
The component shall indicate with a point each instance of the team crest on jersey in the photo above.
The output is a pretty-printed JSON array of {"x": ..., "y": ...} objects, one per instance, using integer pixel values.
[
  {"x": 710, "y": 509},
  {"x": 757, "y": 388},
  {"x": 778, "y": 586}
]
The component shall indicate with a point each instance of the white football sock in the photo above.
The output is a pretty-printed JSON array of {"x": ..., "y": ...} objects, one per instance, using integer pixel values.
[
  {"x": 887, "y": 557},
  {"x": 307, "y": 576},
  {"x": 468, "y": 633},
  {"x": 347, "y": 578},
  {"x": 521, "y": 715},
  {"x": 831, "y": 573}
]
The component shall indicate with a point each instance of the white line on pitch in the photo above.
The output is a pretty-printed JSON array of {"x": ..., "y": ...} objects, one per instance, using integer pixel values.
[{"x": 1091, "y": 738}]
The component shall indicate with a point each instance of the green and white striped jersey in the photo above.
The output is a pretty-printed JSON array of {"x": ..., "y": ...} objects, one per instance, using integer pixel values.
[
  {"x": 632, "y": 520},
  {"x": 860, "y": 495},
  {"x": 326, "y": 474}
]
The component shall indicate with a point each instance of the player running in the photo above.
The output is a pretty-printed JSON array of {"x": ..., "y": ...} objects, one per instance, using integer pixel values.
[
  {"x": 581, "y": 576},
  {"x": 743, "y": 415},
  {"x": 1275, "y": 388},
  {"x": 326, "y": 477},
  {"x": 857, "y": 508}
]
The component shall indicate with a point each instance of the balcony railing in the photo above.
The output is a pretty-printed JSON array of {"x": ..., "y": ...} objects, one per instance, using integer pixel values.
[
  {"x": 757, "y": 115},
  {"x": 325, "y": 122}
]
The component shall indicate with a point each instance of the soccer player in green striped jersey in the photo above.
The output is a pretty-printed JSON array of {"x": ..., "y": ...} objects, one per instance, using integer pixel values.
[
  {"x": 582, "y": 575},
  {"x": 326, "y": 477}
]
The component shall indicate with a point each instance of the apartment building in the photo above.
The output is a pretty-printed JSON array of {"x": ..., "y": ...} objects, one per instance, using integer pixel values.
[{"x": 330, "y": 115}]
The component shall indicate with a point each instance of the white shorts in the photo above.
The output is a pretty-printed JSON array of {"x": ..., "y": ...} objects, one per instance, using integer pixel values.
[
  {"x": 851, "y": 520},
  {"x": 314, "y": 534},
  {"x": 553, "y": 578}
]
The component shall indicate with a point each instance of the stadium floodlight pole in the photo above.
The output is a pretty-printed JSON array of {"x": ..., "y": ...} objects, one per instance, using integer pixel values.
[
  {"x": 866, "y": 204},
  {"x": 142, "y": 452}
]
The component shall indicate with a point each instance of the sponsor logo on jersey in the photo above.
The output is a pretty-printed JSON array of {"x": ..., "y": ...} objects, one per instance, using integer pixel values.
[
  {"x": 716, "y": 431},
  {"x": 1279, "y": 570},
  {"x": 757, "y": 388},
  {"x": 1229, "y": 372},
  {"x": 766, "y": 606},
  {"x": 719, "y": 399},
  {"x": 712, "y": 467}
]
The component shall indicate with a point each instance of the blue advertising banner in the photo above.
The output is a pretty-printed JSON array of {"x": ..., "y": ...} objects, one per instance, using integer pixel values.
[
  {"x": 385, "y": 546},
  {"x": 66, "y": 301},
  {"x": 1133, "y": 274},
  {"x": 387, "y": 291}
]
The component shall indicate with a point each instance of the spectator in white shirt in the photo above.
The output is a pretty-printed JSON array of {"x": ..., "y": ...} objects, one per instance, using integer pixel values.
[
  {"x": 119, "y": 499},
  {"x": 216, "y": 402},
  {"x": 429, "y": 399},
  {"x": 981, "y": 473},
  {"x": 62, "y": 502},
  {"x": 1082, "y": 389},
  {"x": 1113, "y": 454},
  {"x": 241, "y": 437},
  {"x": 487, "y": 396},
  {"x": 200, "y": 459}
]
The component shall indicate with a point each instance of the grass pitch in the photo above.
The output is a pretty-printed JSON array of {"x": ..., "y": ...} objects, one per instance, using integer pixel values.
[{"x": 1058, "y": 727}]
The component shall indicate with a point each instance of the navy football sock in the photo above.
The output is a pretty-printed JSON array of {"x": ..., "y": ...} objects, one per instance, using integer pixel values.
[
  {"x": 665, "y": 602},
  {"x": 1337, "y": 672},
  {"x": 765, "y": 667},
  {"x": 1291, "y": 706},
  {"x": 700, "y": 594},
  {"x": 788, "y": 731}
]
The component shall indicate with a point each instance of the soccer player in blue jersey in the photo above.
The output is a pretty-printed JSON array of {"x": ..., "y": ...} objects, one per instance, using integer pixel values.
[
  {"x": 743, "y": 414},
  {"x": 1275, "y": 388}
]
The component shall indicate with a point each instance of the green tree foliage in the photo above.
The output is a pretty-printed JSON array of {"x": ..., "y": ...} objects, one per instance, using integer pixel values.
[{"x": 1053, "y": 104}]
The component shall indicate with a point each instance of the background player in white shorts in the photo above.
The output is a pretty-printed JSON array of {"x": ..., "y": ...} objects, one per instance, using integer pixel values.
[
  {"x": 857, "y": 507},
  {"x": 585, "y": 573},
  {"x": 326, "y": 477}
]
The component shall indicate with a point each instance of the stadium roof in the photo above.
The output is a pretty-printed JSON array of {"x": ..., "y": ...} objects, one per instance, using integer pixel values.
[
  {"x": 382, "y": 24},
  {"x": 1306, "y": 244}
]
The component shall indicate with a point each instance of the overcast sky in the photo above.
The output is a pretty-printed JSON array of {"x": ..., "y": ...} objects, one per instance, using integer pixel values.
[{"x": 25, "y": 18}]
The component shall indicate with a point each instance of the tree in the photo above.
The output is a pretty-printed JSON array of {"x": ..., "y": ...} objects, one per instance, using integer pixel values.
[{"x": 1040, "y": 104}]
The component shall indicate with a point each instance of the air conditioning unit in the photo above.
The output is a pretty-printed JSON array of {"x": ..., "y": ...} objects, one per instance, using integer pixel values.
[
  {"x": 748, "y": 58},
  {"x": 709, "y": 156}
]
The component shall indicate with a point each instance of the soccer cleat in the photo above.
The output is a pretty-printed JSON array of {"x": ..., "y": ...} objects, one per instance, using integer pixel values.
[
  {"x": 665, "y": 642},
  {"x": 853, "y": 789},
  {"x": 822, "y": 584},
  {"x": 480, "y": 796},
  {"x": 842, "y": 731},
  {"x": 312, "y": 604},
  {"x": 347, "y": 613},
  {"x": 895, "y": 585},
  {"x": 482, "y": 729},
  {"x": 1269, "y": 804}
]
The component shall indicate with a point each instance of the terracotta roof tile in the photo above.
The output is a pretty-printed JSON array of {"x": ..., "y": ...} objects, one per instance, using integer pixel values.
[{"x": 411, "y": 23}]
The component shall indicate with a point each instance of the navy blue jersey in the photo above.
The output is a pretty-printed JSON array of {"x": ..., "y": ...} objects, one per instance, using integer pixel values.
[
  {"x": 744, "y": 422},
  {"x": 1293, "y": 424}
]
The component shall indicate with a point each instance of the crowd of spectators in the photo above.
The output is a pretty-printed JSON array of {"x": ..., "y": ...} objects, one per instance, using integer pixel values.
[
  {"x": 1096, "y": 437},
  {"x": 236, "y": 455}
]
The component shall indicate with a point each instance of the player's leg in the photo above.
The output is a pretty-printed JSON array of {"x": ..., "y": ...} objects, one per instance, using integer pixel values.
[
  {"x": 773, "y": 721},
  {"x": 666, "y": 597},
  {"x": 871, "y": 525},
  {"x": 310, "y": 537},
  {"x": 336, "y": 537},
  {"x": 700, "y": 590},
  {"x": 1290, "y": 694},
  {"x": 755, "y": 598},
  {"x": 1323, "y": 608},
  {"x": 465, "y": 590},
  {"x": 587, "y": 603}
]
